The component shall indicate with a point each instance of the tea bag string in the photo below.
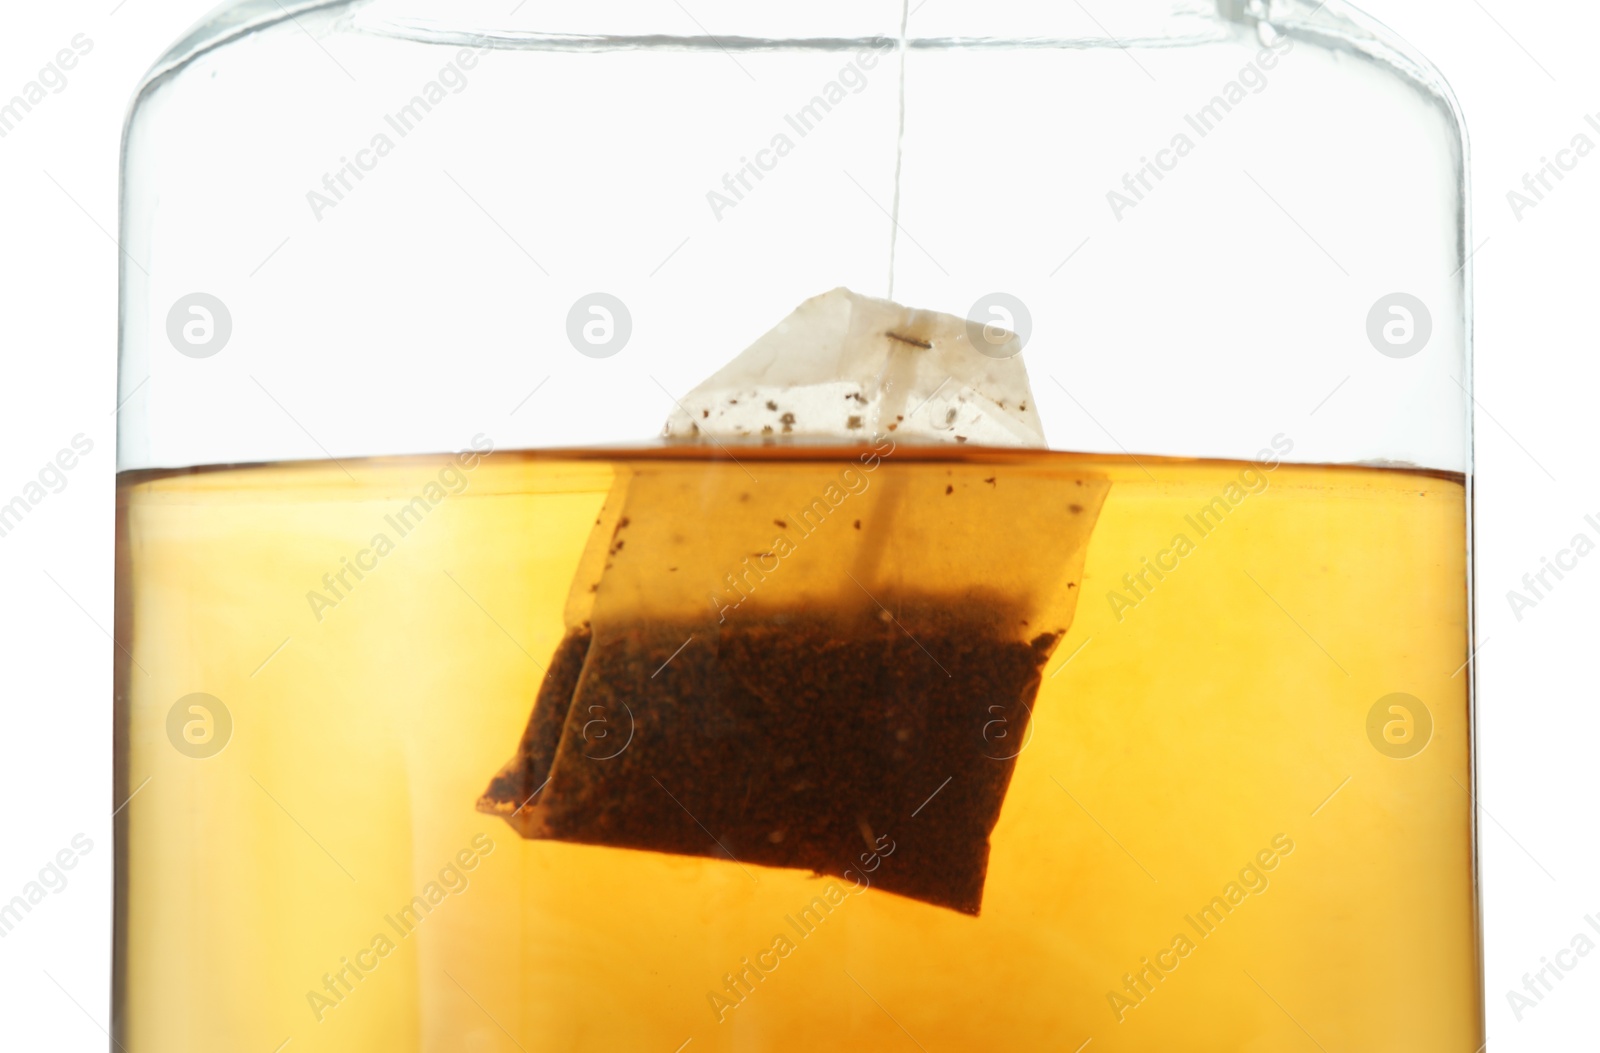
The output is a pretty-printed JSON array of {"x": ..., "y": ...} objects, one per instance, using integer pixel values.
[{"x": 899, "y": 148}]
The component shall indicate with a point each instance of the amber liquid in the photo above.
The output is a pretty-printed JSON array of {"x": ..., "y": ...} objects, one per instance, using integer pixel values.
[{"x": 1209, "y": 843}]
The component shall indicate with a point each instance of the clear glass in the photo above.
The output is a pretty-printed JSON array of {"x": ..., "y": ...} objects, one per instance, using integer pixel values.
[{"x": 408, "y": 290}]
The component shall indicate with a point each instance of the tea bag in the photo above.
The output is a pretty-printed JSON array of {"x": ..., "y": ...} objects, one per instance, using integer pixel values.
[{"x": 824, "y": 658}]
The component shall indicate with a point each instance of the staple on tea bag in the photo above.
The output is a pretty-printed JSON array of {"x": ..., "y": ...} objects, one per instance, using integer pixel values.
[{"x": 829, "y": 668}]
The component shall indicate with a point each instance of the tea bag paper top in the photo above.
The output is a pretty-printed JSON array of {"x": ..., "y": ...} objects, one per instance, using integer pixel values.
[{"x": 853, "y": 367}]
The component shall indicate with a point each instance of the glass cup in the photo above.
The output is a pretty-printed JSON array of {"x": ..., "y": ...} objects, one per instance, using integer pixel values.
[{"x": 459, "y": 709}]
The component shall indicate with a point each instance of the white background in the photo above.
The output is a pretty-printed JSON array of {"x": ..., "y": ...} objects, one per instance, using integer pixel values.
[{"x": 1526, "y": 77}]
